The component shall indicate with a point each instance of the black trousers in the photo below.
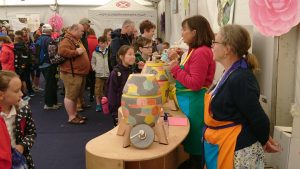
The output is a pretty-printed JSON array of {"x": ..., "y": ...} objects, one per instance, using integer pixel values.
[
  {"x": 91, "y": 82},
  {"x": 51, "y": 77},
  {"x": 28, "y": 81},
  {"x": 25, "y": 77}
]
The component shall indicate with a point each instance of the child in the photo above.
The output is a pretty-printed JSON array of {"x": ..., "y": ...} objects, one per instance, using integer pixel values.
[
  {"x": 118, "y": 78},
  {"x": 143, "y": 49},
  {"x": 100, "y": 66},
  {"x": 165, "y": 46},
  {"x": 17, "y": 116},
  {"x": 7, "y": 54},
  {"x": 5, "y": 155},
  {"x": 22, "y": 64}
]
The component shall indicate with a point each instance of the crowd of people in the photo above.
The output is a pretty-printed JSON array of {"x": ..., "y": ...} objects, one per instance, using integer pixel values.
[{"x": 228, "y": 127}]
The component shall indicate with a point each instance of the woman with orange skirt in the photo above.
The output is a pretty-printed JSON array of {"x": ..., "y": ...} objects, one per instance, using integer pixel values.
[{"x": 236, "y": 127}]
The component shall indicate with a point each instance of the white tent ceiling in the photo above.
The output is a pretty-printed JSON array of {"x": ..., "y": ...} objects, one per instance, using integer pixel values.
[
  {"x": 71, "y": 13},
  {"x": 113, "y": 14},
  {"x": 62, "y": 2}
]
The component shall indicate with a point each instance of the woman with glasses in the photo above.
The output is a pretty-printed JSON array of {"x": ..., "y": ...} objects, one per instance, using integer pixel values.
[
  {"x": 143, "y": 52},
  {"x": 194, "y": 74},
  {"x": 236, "y": 125}
]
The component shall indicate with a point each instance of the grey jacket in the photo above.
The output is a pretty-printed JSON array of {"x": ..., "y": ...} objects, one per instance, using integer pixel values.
[{"x": 99, "y": 62}]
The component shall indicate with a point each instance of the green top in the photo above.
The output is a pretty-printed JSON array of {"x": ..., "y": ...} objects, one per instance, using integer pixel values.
[
  {"x": 138, "y": 58},
  {"x": 191, "y": 103}
]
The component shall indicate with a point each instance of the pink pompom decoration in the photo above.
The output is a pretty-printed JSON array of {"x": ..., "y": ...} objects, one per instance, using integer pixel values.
[
  {"x": 274, "y": 17},
  {"x": 56, "y": 22}
]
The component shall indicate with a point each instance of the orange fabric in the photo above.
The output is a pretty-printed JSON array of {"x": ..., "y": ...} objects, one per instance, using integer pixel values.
[{"x": 225, "y": 138}]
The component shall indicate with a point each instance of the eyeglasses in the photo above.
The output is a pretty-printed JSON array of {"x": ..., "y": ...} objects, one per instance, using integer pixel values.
[
  {"x": 214, "y": 42},
  {"x": 147, "y": 47}
]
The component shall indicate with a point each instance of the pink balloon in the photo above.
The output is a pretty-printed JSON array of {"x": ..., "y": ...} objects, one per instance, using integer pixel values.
[
  {"x": 56, "y": 21},
  {"x": 274, "y": 17}
]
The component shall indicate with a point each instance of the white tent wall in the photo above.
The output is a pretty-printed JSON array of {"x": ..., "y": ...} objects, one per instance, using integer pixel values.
[
  {"x": 176, "y": 19},
  {"x": 160, "y": 10},
  {"x": 10, "y": 12},
  {"x": 297, "y": 85},
  {"x": 112, "y": 16},
  {"x": 70, "y": 14},
  {"x": 277, "y": 57}
]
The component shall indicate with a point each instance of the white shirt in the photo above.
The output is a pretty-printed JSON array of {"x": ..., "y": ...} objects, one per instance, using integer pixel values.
[{"x": 10, "y": 124}]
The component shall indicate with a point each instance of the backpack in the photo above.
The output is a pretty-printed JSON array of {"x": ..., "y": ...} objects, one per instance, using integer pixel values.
[
  {"x": 41, "y": 52},
  {"x": 33, "y": 53},
  {"x": 53, "y": 52}
]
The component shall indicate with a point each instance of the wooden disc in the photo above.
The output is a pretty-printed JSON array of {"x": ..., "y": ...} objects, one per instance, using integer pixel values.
[{"x": 141, "y": 136}]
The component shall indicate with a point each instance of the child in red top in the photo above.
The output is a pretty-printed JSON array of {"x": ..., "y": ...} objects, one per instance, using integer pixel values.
[
  {"x": 5, "y": 148},
  {"x": 18, "y": 119},
  {"x": 7, "y": 56}
]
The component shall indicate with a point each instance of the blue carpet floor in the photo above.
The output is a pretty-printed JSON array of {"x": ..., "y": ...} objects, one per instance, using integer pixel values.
[{"x": 60, "y": 145}]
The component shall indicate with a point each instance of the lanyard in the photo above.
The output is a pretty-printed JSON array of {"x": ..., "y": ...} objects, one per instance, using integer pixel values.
[
  {"x": 186, "y": 58},
  {"x": 238, "y": 64}
]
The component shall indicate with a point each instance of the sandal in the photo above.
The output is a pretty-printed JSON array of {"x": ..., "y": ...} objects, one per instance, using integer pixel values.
[
  {"x": 76, "y": 120},
  {"x": 81, "y": 117}
]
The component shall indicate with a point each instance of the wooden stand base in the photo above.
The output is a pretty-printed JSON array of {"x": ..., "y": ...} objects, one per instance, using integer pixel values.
[
  {"x": 160, "y": 132},
  {"x": 170, "y": 161},
  {"x": 124, "y": 130}
]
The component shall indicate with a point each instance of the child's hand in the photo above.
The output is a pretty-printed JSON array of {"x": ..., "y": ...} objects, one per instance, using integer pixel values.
[
  {"x": 20, "y": 148},
  {"x": 141, "y": 64}
]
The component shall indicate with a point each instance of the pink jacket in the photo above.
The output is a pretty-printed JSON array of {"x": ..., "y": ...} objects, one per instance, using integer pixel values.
[
  {"x": 199, "y": 70},
  {"x": 7, "y": 57}
]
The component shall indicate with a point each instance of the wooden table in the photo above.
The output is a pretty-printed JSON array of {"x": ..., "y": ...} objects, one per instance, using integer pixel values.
[{"x": 106, "y": 151}]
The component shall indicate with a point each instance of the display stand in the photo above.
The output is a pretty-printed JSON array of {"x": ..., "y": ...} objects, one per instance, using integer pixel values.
[{"x": 107, "y": 152}]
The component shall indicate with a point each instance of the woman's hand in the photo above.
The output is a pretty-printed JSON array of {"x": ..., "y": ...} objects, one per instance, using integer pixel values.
[
  {"x": 19, "y": 148},
  {"x": 173, "y": 63},
  {"x": 271, "y": 146},
  {"x": 172, "y": 54},
  {"x": 179, "y": 51}
]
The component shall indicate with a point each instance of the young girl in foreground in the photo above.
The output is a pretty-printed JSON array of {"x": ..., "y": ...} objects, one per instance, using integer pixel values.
[
  {"x": 18, "y": 119},
  {"x": 118, "y": 78},
  {"x": 5, "y": 155}
]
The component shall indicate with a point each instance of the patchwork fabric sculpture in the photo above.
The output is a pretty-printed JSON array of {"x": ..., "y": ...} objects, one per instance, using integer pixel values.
[
  {"x": 161, "y": 76},
  {"x": 141, "y": 100}
]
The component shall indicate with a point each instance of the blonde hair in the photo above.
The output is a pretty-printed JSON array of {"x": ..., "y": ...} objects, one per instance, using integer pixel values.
[
  {"x": 5, "y": 78},
  {"x": 5, "y": 39},
  {"x": 127, "y": 22},
  {"x": 238, "y": 38}
]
